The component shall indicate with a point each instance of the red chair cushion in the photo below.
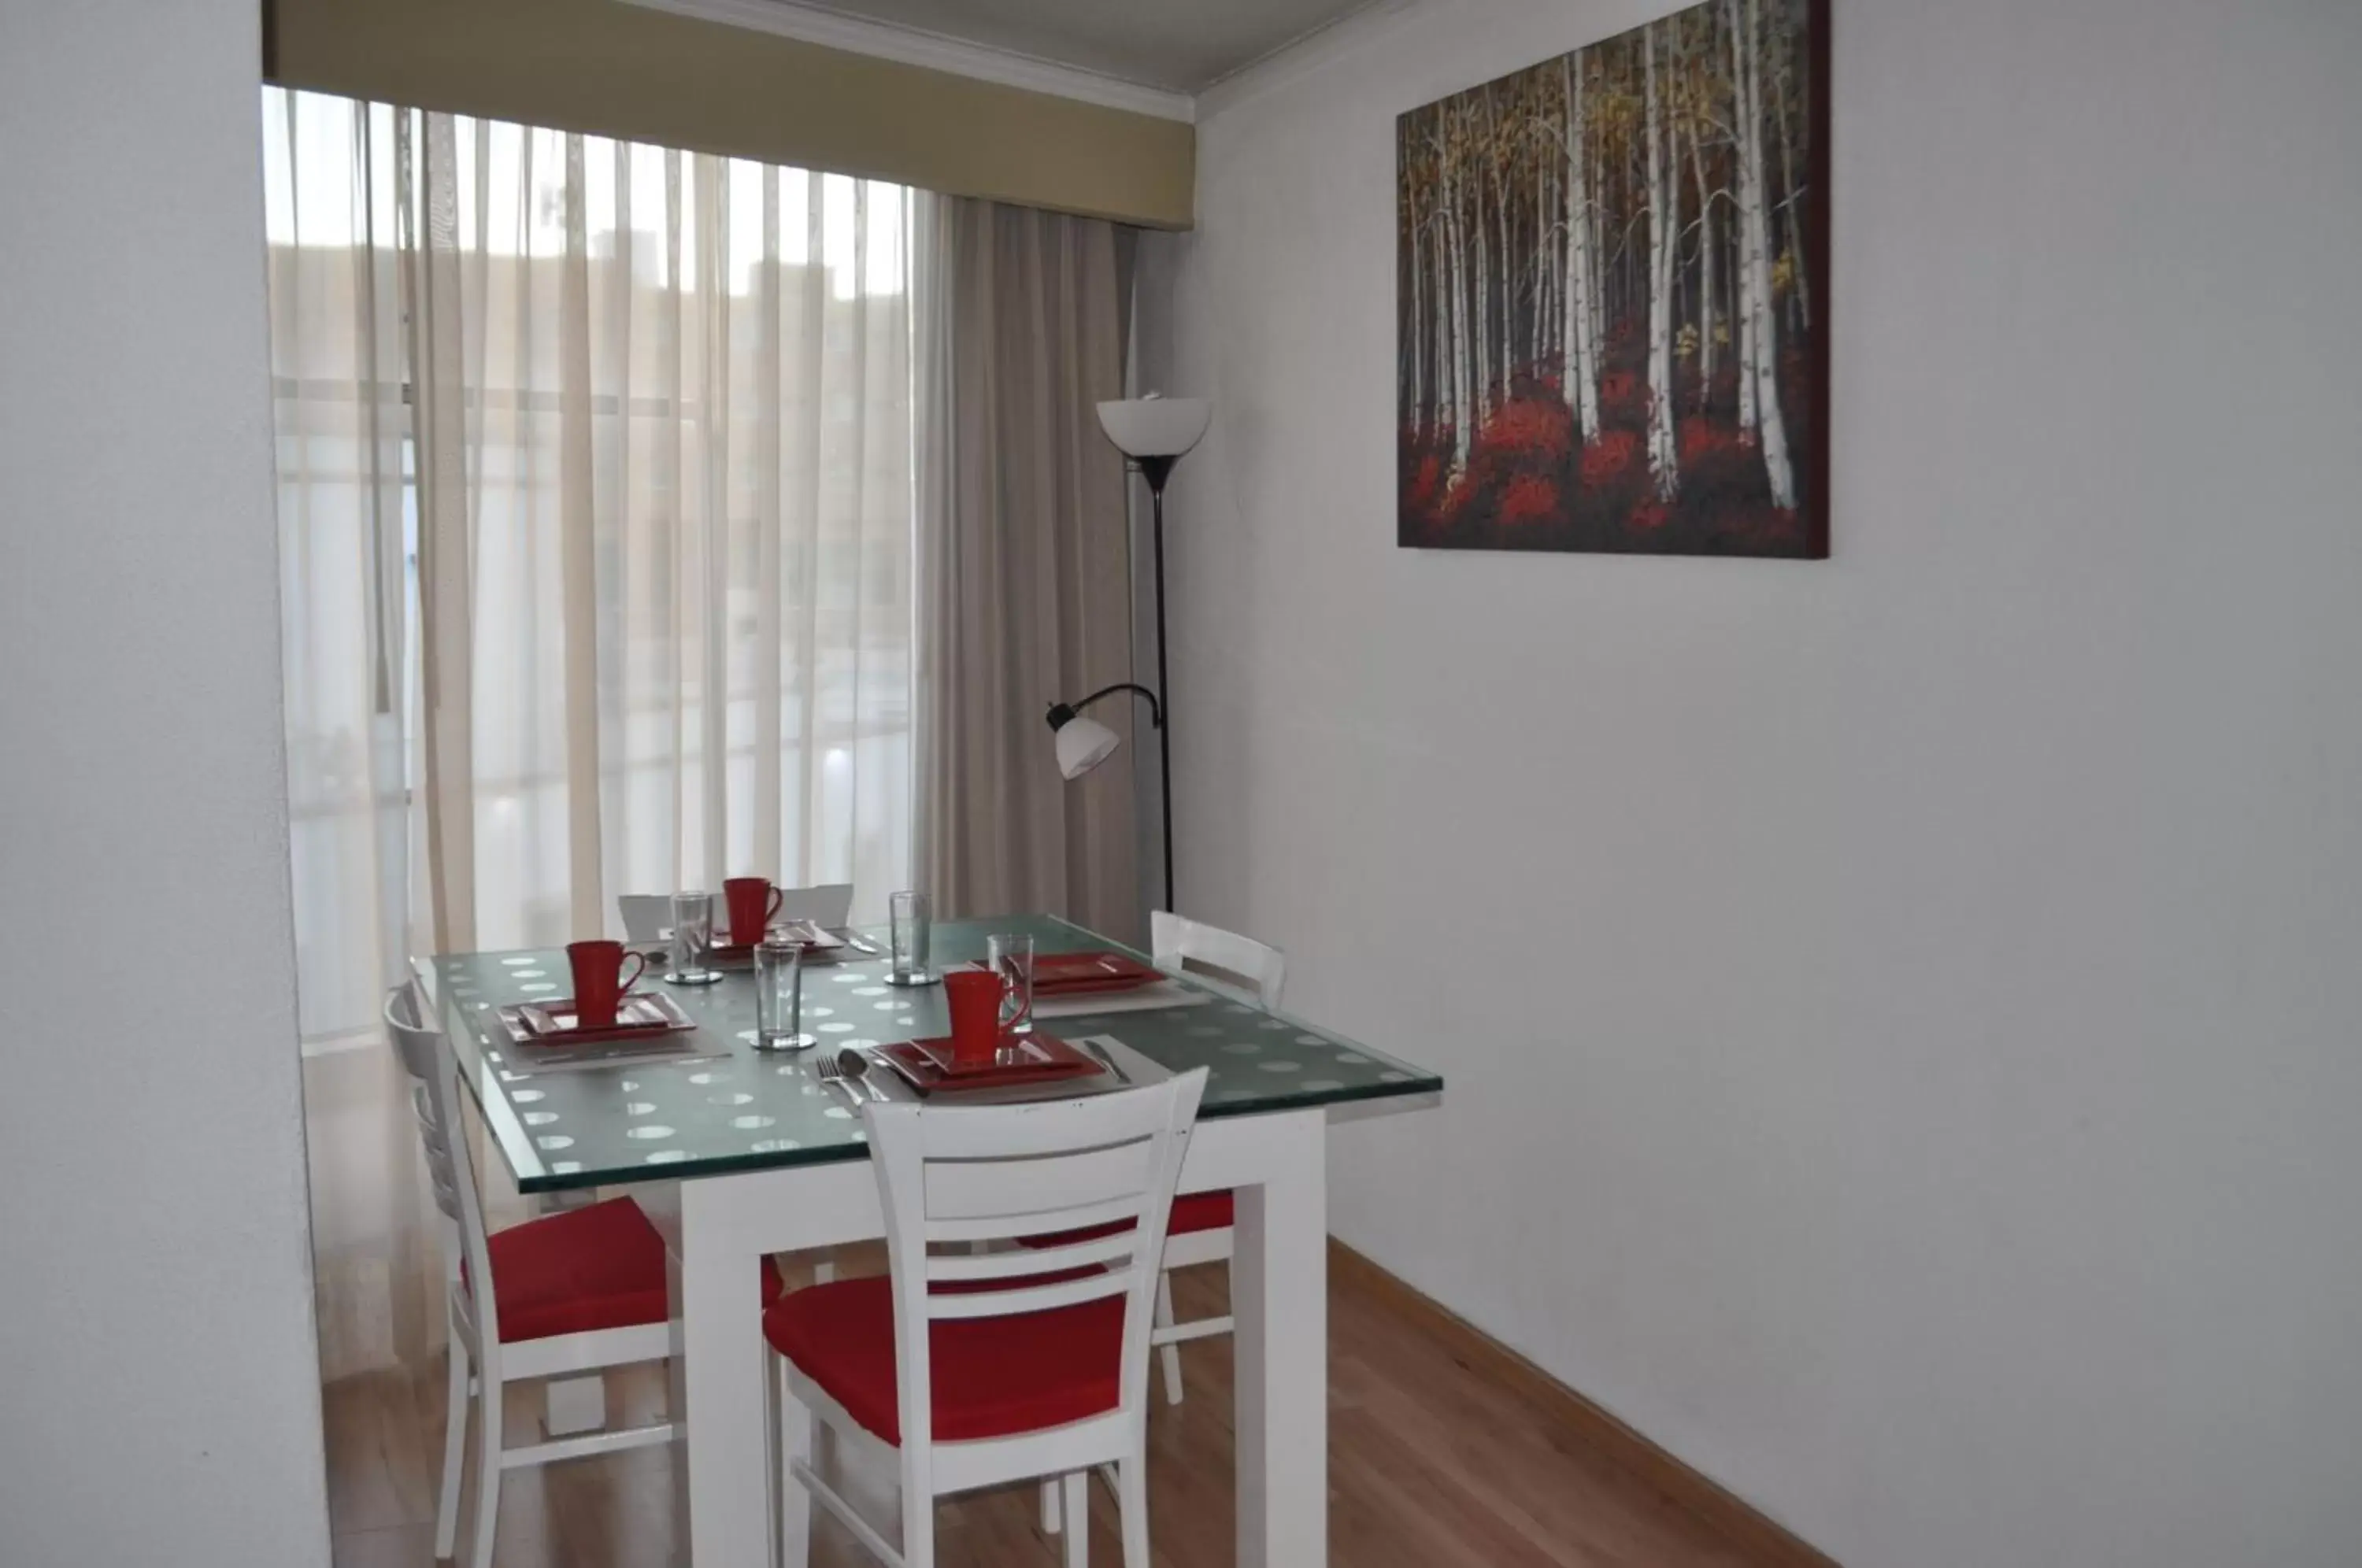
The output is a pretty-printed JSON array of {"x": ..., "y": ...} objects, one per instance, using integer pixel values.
[
  {"x": 992, "y": 1377},
  {"x": 1202, "y": 1211},
  {"x": 580, "y": 1269}
]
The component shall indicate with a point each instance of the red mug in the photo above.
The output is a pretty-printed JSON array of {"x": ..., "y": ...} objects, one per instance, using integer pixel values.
[
  {"x": 599, "y": 980},
  {"x": 973, "y": 997},
  {"x": 752, "y": 902}
]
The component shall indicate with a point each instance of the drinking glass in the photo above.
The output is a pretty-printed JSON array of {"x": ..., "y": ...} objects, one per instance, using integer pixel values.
[
  {"x": 779, "y": 997},
  {"x": 1011, "y": 957},
  {"x": 912, "y": 938},
  {"x": 692, "y": 935}
]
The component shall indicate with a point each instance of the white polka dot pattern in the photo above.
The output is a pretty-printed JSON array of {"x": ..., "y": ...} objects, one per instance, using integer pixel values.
[{"x": 718, "y": 1106}]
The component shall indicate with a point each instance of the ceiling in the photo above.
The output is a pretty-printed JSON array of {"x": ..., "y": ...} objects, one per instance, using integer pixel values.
[{"x": 1180, "y": 46}]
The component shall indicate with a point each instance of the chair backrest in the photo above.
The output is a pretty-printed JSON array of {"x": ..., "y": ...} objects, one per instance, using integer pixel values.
[
  {"x": 1192, "y": 946},
  {"x": 426, "y": 1056},
  {"x": 647, "y": 916},
  {"x": 951, "y": 1177}
]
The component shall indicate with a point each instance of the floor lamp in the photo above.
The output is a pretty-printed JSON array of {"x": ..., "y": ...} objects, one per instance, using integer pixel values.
[{"x": 1154, "y": 432}]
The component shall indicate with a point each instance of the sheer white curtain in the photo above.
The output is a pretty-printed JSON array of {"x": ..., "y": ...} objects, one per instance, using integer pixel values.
[{"x": 596, "y": 511}]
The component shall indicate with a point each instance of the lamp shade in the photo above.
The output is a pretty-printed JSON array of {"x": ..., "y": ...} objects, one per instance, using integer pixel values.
[
  {"x": 1083, "y": 745},
  {"x": 1154, "y": 425}
]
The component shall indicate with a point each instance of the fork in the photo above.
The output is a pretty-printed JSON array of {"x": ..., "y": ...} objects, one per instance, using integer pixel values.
[{"x": 828, "y": 1072}]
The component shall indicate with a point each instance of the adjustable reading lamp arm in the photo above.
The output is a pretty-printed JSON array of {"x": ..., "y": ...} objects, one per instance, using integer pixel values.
[{"x": 1061, "y": 712}]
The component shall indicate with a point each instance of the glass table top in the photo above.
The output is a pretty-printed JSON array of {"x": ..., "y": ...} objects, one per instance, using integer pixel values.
[{"x": 734, "y": 1107}]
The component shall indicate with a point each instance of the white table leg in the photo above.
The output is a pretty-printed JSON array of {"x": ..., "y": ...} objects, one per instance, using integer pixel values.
[
  {"x": 1279, "y": 1296},
  {"x": 725, "y": 1226},
  {"x": 721, "y": 1373}
]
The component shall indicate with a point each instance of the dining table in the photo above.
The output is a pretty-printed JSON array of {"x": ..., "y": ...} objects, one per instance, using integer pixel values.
[{"x": 738, "y": 1154}]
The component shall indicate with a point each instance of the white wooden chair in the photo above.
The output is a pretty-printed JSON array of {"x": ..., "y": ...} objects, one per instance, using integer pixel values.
[
  {"x": 1201, "y": 1230},
  {"x": 647, "y": 916},
  {"x": 1251, "y": 970},
  {"x": 572, "y": 1292},
  {"x": 971, "y": 1369}
]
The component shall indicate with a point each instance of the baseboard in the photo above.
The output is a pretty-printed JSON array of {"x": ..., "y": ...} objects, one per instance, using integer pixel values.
[{"x": 1756, "y": 1539}]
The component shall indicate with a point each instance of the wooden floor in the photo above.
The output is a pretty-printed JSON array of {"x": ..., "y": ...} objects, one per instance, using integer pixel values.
[{"x": 1436, "y": 1460}]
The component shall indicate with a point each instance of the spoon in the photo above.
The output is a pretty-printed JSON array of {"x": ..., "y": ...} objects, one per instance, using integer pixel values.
[{"x": 855, "y": 1066}]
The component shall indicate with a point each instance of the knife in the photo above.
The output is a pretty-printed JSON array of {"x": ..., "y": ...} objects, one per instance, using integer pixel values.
[{"x": 1104, "y": 1060}]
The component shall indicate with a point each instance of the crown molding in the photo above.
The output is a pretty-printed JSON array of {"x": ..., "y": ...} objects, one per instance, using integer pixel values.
[
  {"x": 1299, "y": 57},
  {"x": 934, "y": 51}
]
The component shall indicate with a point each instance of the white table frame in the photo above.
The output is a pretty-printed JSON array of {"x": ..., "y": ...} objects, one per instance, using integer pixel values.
[{"x": 719, "y": 1228}]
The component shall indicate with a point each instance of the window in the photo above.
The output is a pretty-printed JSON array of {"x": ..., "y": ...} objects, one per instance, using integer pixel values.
[{"x": 651, "y": 411}]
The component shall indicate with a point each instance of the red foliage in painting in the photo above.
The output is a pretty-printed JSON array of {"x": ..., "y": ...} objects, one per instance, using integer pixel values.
[
  {"x": 1425, "y": 481},
  {"x": 1702, "y": 438},
  {"x": 1533, "y": 481},
  {"x": 1529, "y": 500},
  {"x": 1529, "y": 428},
  {"x": 1609, "y": 455}
]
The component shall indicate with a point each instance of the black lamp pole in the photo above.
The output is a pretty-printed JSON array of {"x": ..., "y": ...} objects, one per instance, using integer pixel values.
[
  {"x": 1160, "y": 709},
  {"x": 1156, "y": 471}
]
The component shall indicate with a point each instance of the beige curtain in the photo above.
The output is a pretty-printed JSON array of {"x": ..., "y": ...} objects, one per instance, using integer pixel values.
[
  {"x": 348, "y": 620},
  {"x": 596, "y": 524},
  {"x": 1026, "y": 597}
]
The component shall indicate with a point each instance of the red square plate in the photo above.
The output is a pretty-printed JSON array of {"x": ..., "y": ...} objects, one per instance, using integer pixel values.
[
  {"x": 1086, "y": 974},
  {"x": 641, "y": 1016},
  {"x": 1035, "y": 1058},
  {"x": 820, "y": 945}
]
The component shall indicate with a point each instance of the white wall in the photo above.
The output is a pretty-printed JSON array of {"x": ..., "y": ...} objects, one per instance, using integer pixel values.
[
  {"x": 158, "y": 1400},
  {"x": 1901, "y": 1012}
]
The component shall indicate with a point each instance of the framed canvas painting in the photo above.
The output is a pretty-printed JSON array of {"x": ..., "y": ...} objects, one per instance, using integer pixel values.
[{"x": 1613, "y": 295}]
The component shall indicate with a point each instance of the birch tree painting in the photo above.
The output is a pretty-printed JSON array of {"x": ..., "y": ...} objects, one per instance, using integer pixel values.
[{"x": 1612, "y": 294}]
